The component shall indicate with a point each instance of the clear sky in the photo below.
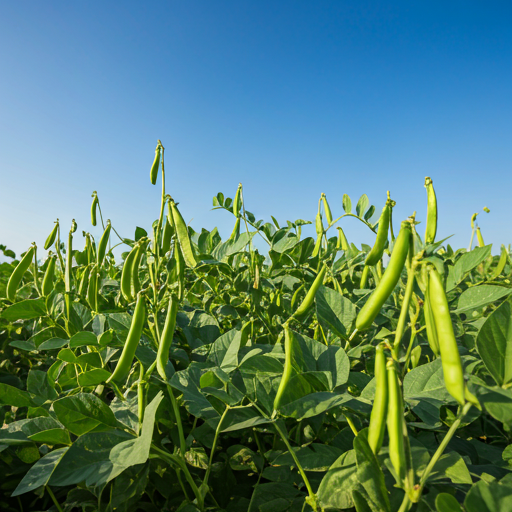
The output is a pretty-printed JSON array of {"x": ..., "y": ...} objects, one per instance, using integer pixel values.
[{"x": 292, "y": 98}]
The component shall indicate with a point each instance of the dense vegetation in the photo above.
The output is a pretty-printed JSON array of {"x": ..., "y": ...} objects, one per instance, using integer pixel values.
[{"x": 199, "y": 374}]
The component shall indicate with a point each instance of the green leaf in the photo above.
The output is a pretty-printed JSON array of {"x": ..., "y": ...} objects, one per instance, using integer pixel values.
[
  {"x": 39, "y": 385},
  {"x": 335, "y": 490},
  {"x": 83, "y": 338},
  {"x": 464, "y": 264},
  {"x": 53, "y": 343},
  {"x": 347, "y": 203},
  {"x": 83, "y": 412},
  {"x": 477, "y": 297},
  {"x": 362, "y": 205},
  {"x": 335, "y": 312},
  {"x": 224, "y": 351},
  {"x": 447, "y": 503},
  {"x": 489, "y": 497},
  {"x": 93, "y": 377},
  {"x": 494, "y": 343},
  {"x": 52, "y": 436},
  {"x": 9, "y": 395},
  {"x": 40, "y": 473},
  {"x": 25, "y": 310},
  {"x": 452, "y": 466}
]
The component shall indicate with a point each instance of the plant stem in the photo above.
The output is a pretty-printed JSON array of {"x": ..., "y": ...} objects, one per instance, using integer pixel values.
[
  {"x": 403, "y": 312},
  {"x": 54, "y": 499},
  {"x": 176, "y": 410},
  {"x": 217, "y": 432}
]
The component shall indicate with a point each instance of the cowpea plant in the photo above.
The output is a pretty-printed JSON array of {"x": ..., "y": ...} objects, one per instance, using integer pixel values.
[{"x": 200, "y": 374}]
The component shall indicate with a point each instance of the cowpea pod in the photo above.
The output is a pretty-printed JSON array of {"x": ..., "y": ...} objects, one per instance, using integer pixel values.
[
  {"x": 479, "y": 237},
  {"x": 126, "y": 274},
  {"x": 450, "y": 357},
  {"x": 69, "y": 260},
  {"x": 395, "y": 420},
  {"x": 319, "y": 234},
  {"x": 167, "y": 335},
  {"x": 327, "y": 209},
  {"x": 287, "y": 370},
  {"x": 431, "y": 229},
  {"x": 135, "y": 282},
  {"x": 342, "y": 240},
  {"x": 18, "y": 272},
  {"x": 381, "y": 239},
  {"x": 94, "y": 208},
  {"x": 102, "y": 246},
  {"x": 430, "y": 322},
  {"x": 132, "y": 341},
  {"x": 389, "y": 280},
  {"x": 380, "y": 402},
  {"x": 166, "y": 237},
  {"x": 47, "y": 287},
  {"x": 92, "y": 288},
  {"x": 183, "y": 236},
  {"x": 245, "y": 332},
  {"x": 310, "y": 296},
  {"x": 84, "y": 281},
  {"x": 52, "y": 236},
  {"x": 236, "y": 230},
  {"x": 153, "y": 174},
  {"x": 237, "y": 201}
]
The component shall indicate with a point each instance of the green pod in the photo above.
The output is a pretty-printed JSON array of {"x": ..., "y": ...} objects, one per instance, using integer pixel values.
[
  {"x": 237, "y": 202},
  {"x": 327, "y": 209},
  {"x": 48, "y": 276},
  {"x": 295, "y": 296},
  {"x": 245, "y": 332},
  {"x": 52, "y": 236},
  {"x": 166, "y": 237},
  {"x": 377, "y": 251},
  {"x": 479, "y": 237},
  {"x": 236, "y": 230},
  {"x": 102, "y": 247},
  {"x": 92, "y": 289},
  {"x": 19, "y": 271},
  {"x": 310, "y": 296},
  {"x": 68, "y": 275},
  {"x": 153, "y": 174},
  {"x": 450, "y": 357},
  {"x": 84, "y": 282},
  {"x": 364, "y": 277},
  {"x": 94, "y": 207},
  {"x": 287, "y": 370},
  {"x": 389, "y": 280},
  {"x": 342, "y": 241},
  {"x": 132, "y": 341},
  {"x": 430, "y": 322},
  {"x": 135, "y": 281},
  {"x": 180, "y": 270},
  {"x": 126, "y": 274},
  {"x": 183, "y": 236},
  {"x": 431, "y": 229},
  {"x": 395, "y": 420},
  {"x": 167, "y": 335},
  {"x": 380, "y": 402}
]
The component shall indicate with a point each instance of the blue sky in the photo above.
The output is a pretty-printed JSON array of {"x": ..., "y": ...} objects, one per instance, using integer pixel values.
[{"x": 292, "y": 98}]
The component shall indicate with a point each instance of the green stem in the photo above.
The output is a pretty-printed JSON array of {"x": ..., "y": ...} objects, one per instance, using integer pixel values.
[
  {"x": 400, "y": 328},
  {"x": 351, "y": 423},
  {"x": 54, "y": 499},
  {"x": 217, "y": 432},
  {"x": 160, "y": 218},
  {"x": 312, "y": 496},
  {"x": 140, "y": 395},
  {"x": 176, "y": 410},
  {"x": 406, "y": 504}
]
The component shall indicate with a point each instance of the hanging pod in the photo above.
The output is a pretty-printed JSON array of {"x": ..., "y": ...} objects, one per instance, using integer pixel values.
[
  {"x": 381, "y": 239},
  {"x": 389, "y": 280},
  {"x": 380, "y": 402},
  {"x": 52, "y": 236},
  {"x": 287, "y": 370},
  {"x": 237, "y": 202},
  {"x": 48, "y": 276},
  {"x": 183, "y": 236},
  {"x": 327, "y": 209},
  {"x": 431, "y": 229},
  {"x": 310, "y": 296},
  {"x": 102, "y": 246},
  {"x": 18, "y": 272},
  {"x": 153, "y": 174},
  {"x": 135, "y": 281},
  {"x": 132, "y": 341},
  {"x": 94, "y": 207},
  {"x": 167, "y": 335}
]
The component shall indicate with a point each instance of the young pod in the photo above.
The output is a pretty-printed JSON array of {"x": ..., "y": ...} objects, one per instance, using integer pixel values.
[
  {"x": 48, "y": 276},
  {"x": 236, "y": 230},
  {"x": 450, "y": 357},
  {"x": 126, "y": 274},
  {"x": 135, "y": 281},
  {"x": 237, "y": 201},
  {"x": 287, "y": 370},
  {"x": 389, "y": 280},
  {"x": 479, "y": 237},
  {"x": 431, "y": 229},
  {"x": 342, "y": 240},
  {"x": 327, "y": 209},
  {"x": 102, "y": 246},
  {"x": 132, "y": 341},
  {"x": 167, "y": 335},
  {"x": 94, "y": 208},
  {"x": 19, "y": 271},
  {"x": 52, "y": 236},
  {"x": 395, "y": 420},
  {"x": 380, "y": 402},
  {"x": 183, "y": 236},
  {"x": 92, "y": 289},
  {"x": 375, "y": 254},
  {"x": 84, "y": 281},
  {"x": 430, "y": 322},
  {"x": 310, "y": 296},
  {"x": 166, "y": 237},
  {"x": 153, "y": 174}
]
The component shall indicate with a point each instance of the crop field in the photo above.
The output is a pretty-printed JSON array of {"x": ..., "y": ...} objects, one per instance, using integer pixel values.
[{"x": 201, "y": 374}]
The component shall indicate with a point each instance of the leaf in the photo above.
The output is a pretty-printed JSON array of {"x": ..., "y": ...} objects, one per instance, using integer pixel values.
[
  {"x": 93, "y": 377},
  {"x": 239, "y": 418},
  {"x": 83, "y": 338},
  {"x": 39, "y": 385},
  {"x": 52, "y": 436},
  {"x": 362, "y": 205},
  {"x": 494, "y": 343},
  {"x": 9, "y": 395},
  {"x": 447, "y": 503},
  {"x": 83, "y": 412},
  {"x": 489, "y": 497},
  {"x": 224, "y": 351},
  {"x": 347, "y": 204},
  {"x": 468, "y": 261},
  {"x": 335, "y": 312},
  {"x": 40, "y": 473},
  {"x": 451, "y": 465},
  {"x": 335, "y": 490},
  {"x": 52, "y": 344},
  {"x": 25, "y": 310},
  {"x": 479, "y": 296}
]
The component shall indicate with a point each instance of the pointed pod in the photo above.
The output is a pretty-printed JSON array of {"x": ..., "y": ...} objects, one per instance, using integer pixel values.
[
  {"x": 153, "y": 174},
  {"x": 52, "y": 236},
  {"x": 18, "y": 272}
]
